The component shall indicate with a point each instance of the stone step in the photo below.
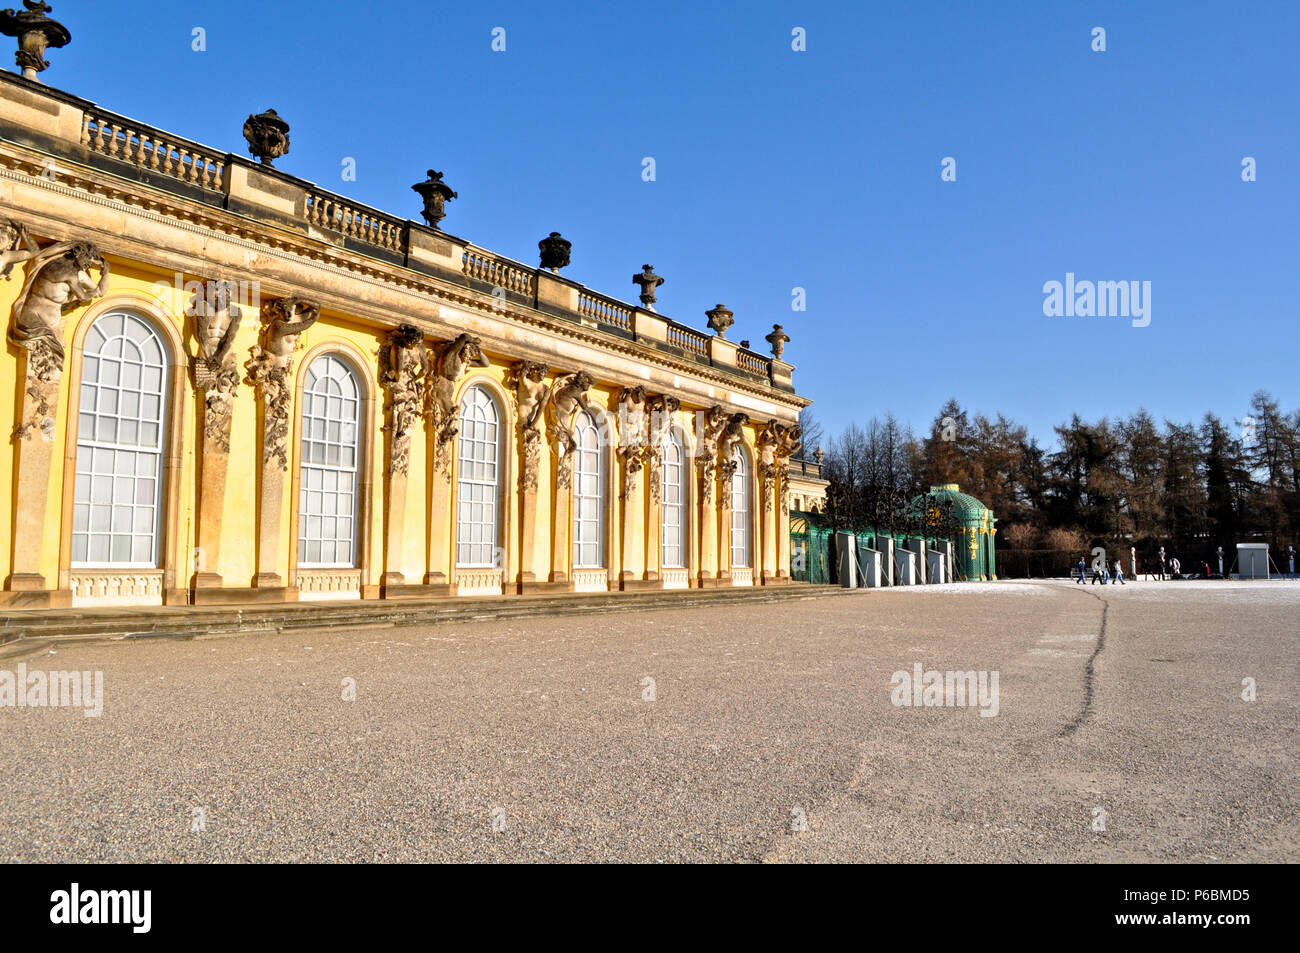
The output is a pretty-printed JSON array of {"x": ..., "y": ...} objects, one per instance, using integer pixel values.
[{"x": 21, "y": 631}]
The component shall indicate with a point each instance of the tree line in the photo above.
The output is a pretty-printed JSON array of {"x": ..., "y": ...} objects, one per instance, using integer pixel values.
[{"x": 1116, "y": 482}]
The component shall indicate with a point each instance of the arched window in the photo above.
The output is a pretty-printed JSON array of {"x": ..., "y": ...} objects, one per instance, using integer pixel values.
[
  {"x": 588, "y": 495},
  {"x": 674, "y": 503},
  {"x": 740, "y": 499},
  {"x": 478, "y": 483},
  {"x": 118, "y": 495},
  {"x": 327, "y": 491}
]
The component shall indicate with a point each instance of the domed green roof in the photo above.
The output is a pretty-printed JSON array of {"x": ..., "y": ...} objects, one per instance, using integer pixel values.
[{"x": 964, "y": 506}]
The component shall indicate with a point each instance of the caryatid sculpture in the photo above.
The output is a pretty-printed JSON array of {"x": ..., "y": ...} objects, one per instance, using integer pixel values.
[
  {"x": 215, "y": 369},
  {"x": 404, "y": 371},
  {"x": 568, "y": 396},
  {"x": 531, "y": 392},
  {"x": 58, "y": 280},
  {"x": 271, "y": 361},
  {"x": 649, "y": 283},
  {"x": 450, "y": 362}
]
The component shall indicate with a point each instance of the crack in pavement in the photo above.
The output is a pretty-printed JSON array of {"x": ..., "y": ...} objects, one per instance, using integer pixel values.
[{"x": 1089, "y": 673}]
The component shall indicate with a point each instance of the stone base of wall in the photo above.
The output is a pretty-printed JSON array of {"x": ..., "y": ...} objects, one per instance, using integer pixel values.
[{"x": 243, "y": 594}]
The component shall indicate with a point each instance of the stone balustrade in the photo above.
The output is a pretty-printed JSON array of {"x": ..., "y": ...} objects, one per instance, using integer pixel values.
[
  {"x": 118, "y": 138},
  {"x": 605, "y": 310},
  {"x": 688, "y": 339},
  {"x": 94, "y": 135},
  {"x": 326, "y": 210},
  {"x": 500, "y": 272}
]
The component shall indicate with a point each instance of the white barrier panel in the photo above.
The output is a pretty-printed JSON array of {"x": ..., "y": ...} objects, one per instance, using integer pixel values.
[
  {"x": 907, "y": 574},
  {"x": 846, "y": 553},
  {"x": 1252, "y": 560}
]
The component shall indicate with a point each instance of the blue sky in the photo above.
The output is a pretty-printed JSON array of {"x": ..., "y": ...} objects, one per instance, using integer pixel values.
[{"x": 820, "y": 169}]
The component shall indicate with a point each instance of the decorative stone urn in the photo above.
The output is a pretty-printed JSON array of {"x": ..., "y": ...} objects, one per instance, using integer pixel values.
[
  {"x": 436, "y": 194},
  {"x": 555, "y": 252},
  {"x": 268, "y": 137},
  {"x": 35, "y": 32},
  {"x": 649, "y": 283},
  {"x": 778, "y": 339},
  {"x": 720, "y": 318}
]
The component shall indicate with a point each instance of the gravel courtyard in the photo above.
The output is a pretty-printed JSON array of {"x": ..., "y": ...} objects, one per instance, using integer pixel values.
[{"x": 689, "y": 735}]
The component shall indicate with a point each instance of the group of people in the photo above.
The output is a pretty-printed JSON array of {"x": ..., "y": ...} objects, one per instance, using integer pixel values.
[{"x": 1101, "y": 571}]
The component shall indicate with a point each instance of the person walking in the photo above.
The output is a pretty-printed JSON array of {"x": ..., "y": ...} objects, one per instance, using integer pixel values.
[
  {"x": 1119, "y": 573},
  {"x": 1083, "y": 572}
]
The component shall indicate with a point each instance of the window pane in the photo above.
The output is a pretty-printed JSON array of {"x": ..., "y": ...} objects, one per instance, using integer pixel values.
[
  {"x": 476, "y": 484},
  {"x": 330, "y": 431}
]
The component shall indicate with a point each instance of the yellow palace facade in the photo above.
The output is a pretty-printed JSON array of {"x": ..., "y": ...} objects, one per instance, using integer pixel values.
[{"x": 227, "y": 385}]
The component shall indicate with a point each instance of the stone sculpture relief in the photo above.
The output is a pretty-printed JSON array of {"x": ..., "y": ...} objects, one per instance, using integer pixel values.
[
  {"x": 15, "y": 246},
  {"x": 528, "y": 380},
  {"x": 404, "y": 372},
  {"x": 568, "y": 396},
  {"x": 450, "y": 363},
  {"x": 215, "y": 369},
  {"x": 58, "y": 280},
  {"x": 269, "y": 366}
]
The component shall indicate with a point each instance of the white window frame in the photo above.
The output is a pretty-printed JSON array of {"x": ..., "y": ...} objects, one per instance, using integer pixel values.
[
  {"x": 741, "y": 501},
  {"x": 91, "y": 450},
  {"x": 478, "y": 489},
  {"x": 673, "y": 446},
  {"x": 588, "y": 466},
  {"x": 328, "y": 473}
]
